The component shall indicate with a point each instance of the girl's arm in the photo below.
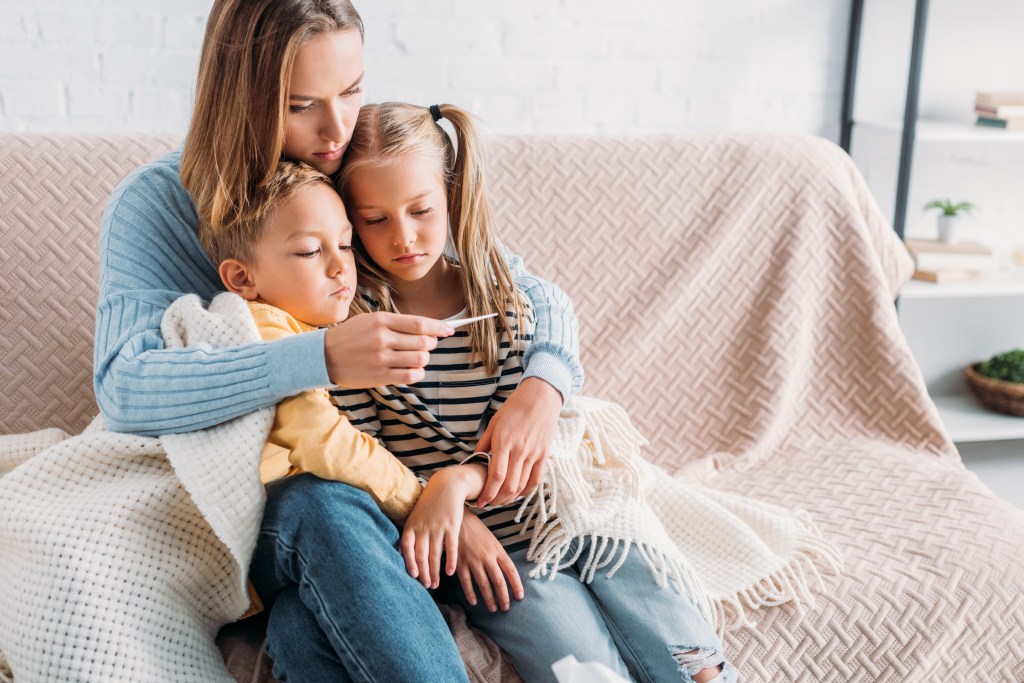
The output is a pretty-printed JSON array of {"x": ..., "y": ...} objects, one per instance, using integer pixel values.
[
  {"x": 434, "y": 523},
  {"x": 483, "y": 561},
  {"x": 554, "y": 354},
  {"x": 438, "y": 522}
]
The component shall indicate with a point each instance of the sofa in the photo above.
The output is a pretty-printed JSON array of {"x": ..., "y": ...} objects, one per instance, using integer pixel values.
[{"x": 735, "y": 294}]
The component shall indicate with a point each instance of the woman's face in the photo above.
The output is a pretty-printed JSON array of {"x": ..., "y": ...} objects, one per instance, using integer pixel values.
[{"x": 324, "y": 95}]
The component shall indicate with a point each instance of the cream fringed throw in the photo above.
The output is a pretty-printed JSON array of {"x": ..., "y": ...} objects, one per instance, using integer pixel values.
[
  {"x": 732, "y": 553},
  {"x": 123, "y": 555}
]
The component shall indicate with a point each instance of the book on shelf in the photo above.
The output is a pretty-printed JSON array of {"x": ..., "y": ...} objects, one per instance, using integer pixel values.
[
  {"x": 1000, "y": 111},
  {"x": 1006, "y": 124},
  {"x": 917, "y": 246},
  {"x": 998, "y": 99},
  {"x": 933, "y": 255},
  {"x": 946, "y": 276}
]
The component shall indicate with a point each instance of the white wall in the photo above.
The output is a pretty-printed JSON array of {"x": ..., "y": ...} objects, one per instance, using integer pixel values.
[
  {"x": 542, "y": 66},
  {"x": 969, "y": 46}
]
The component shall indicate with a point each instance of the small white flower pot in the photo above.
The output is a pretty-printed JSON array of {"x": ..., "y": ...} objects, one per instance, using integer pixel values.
[{"x": 950, "y": 228}]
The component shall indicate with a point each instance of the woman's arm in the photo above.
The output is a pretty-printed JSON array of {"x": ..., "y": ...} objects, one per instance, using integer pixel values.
[
  {"x": 554, "y": 354},
  {"x": 149, "y": 256}
]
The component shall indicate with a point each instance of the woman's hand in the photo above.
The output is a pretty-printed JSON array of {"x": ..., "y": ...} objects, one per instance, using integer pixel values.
[
  {"x": 484, "y": 561},
  {"x": 375, "y": 349},
  {"x": 519, "y": 438},
  {"x": 434, "y": 523}
]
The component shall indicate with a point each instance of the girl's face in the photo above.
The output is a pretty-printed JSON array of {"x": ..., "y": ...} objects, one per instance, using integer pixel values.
[
  {"x": 400, "y": 212},
  {"x": 325, "y": 92}
]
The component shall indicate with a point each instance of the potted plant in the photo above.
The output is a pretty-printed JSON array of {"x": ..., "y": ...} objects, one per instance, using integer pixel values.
[
  {"x": 998, "y": 382},
  {"x": 950, "y": 218}
]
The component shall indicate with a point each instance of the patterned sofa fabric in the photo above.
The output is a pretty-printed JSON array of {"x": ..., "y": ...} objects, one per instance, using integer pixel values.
[{"x": 735, "y": 295}]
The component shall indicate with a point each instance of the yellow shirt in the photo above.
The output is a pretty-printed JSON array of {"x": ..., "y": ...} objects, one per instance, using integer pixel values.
[{"x": 310, "y": 435}]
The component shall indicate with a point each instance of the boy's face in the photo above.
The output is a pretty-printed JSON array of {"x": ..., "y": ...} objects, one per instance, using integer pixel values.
[
  {"x": 400, "y": 212},
  {"x": 304, "y": 262}
]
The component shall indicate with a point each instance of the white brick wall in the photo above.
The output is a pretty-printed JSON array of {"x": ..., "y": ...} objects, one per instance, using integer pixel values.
[{"x": 540, "y": 66}]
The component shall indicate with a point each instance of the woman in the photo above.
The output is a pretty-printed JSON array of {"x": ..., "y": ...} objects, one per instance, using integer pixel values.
[{"x": 284, "y": 78}]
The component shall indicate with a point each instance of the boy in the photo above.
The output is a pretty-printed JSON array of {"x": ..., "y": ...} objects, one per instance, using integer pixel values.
[{"x": 291, "y": 258}]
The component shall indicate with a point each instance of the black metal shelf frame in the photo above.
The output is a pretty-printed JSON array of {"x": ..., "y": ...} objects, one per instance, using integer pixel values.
[{"x": 910, "y": 108}]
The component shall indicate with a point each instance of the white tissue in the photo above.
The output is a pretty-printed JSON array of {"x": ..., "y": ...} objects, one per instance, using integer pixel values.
[{"x": 569, "y": 670}]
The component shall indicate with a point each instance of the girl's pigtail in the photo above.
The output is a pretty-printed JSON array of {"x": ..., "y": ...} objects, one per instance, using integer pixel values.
[{"x": 487, "y": 282}]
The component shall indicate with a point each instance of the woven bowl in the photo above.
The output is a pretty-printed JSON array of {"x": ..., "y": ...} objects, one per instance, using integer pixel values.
[{"x": 995, "y": 394}]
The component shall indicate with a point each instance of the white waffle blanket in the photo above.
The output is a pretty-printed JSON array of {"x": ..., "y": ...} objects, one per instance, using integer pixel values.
[{"x": 123, "y": 555}]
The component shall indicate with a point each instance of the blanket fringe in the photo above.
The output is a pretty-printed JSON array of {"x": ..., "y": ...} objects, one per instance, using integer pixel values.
[
  {"x": 552, "y": 548},
  {"x": 796, "y": 582}
]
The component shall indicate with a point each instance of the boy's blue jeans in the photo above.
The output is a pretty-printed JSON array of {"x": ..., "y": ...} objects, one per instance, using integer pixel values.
[
  {"x": 629, "y": 624},
  {"x": 342, "y": 607}
]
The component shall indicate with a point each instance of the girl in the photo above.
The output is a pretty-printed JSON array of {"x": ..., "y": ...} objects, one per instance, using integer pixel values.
[
  {"x": 283, "y": 78},
  {"x": 405, "y": 186}
]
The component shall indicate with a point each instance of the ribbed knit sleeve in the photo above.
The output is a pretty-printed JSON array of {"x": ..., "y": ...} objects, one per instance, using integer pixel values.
[
  {"x": 149, "y": 256},
  {"x": 554, "y": 355}
]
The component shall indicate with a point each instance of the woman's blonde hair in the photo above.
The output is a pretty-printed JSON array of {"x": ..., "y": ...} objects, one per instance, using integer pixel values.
[
  {"x": 385, "y": 132},
  {"x": 236, "y": 137},
  {"x": 239, "y": 240}
]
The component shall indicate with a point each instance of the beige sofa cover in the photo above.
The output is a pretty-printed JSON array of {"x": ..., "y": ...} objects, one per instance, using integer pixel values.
[{"x": 735, "y": 294}]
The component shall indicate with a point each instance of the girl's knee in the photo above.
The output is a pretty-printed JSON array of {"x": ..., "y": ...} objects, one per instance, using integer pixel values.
[{"x": 700, "y": 664}]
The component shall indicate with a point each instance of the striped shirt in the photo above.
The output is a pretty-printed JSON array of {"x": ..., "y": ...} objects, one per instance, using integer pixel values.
[{"x": 437, "y": 422}]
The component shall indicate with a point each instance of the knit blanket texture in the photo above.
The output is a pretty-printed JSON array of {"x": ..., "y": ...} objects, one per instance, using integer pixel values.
[{"x": 123, "y": 555}]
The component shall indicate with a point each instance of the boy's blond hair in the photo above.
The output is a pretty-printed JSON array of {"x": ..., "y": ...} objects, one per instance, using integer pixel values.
[{"x": 239, "y": 240}]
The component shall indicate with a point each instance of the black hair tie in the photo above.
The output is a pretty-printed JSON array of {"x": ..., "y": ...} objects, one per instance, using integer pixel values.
[{"x": 435, "y": 111}]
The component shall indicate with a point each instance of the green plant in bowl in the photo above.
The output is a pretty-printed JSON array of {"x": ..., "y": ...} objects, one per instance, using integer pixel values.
[{"x": 1007, "y": 366}]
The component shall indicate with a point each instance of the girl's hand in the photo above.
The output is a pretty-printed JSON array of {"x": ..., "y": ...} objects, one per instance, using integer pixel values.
[
  {"x": 487, "y": 564},
  {"x": 519, "y": 438},
  {"x": 377, "y": 349},
  {"x": 434, "y": 523}
]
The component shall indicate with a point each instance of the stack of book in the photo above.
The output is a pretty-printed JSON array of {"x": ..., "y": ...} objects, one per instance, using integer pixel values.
[
  {"x": 1000, "y": 110},
  {"x": 940, "y": 262}
]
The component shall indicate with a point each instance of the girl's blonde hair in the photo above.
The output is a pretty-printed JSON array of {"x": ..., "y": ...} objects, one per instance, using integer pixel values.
[
  {"x": 236, "y": 137},
  {"x": 385, "y": 132}
]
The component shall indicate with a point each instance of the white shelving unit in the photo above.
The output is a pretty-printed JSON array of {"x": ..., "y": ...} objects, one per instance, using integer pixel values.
[
  {"x": 915, "y": 140},
  {"x": 1006, "y": 282},
  {"x": 968, "y": 422},
  {"x": 950, "y": 326},
  {"x": 935, "y": 130}
]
